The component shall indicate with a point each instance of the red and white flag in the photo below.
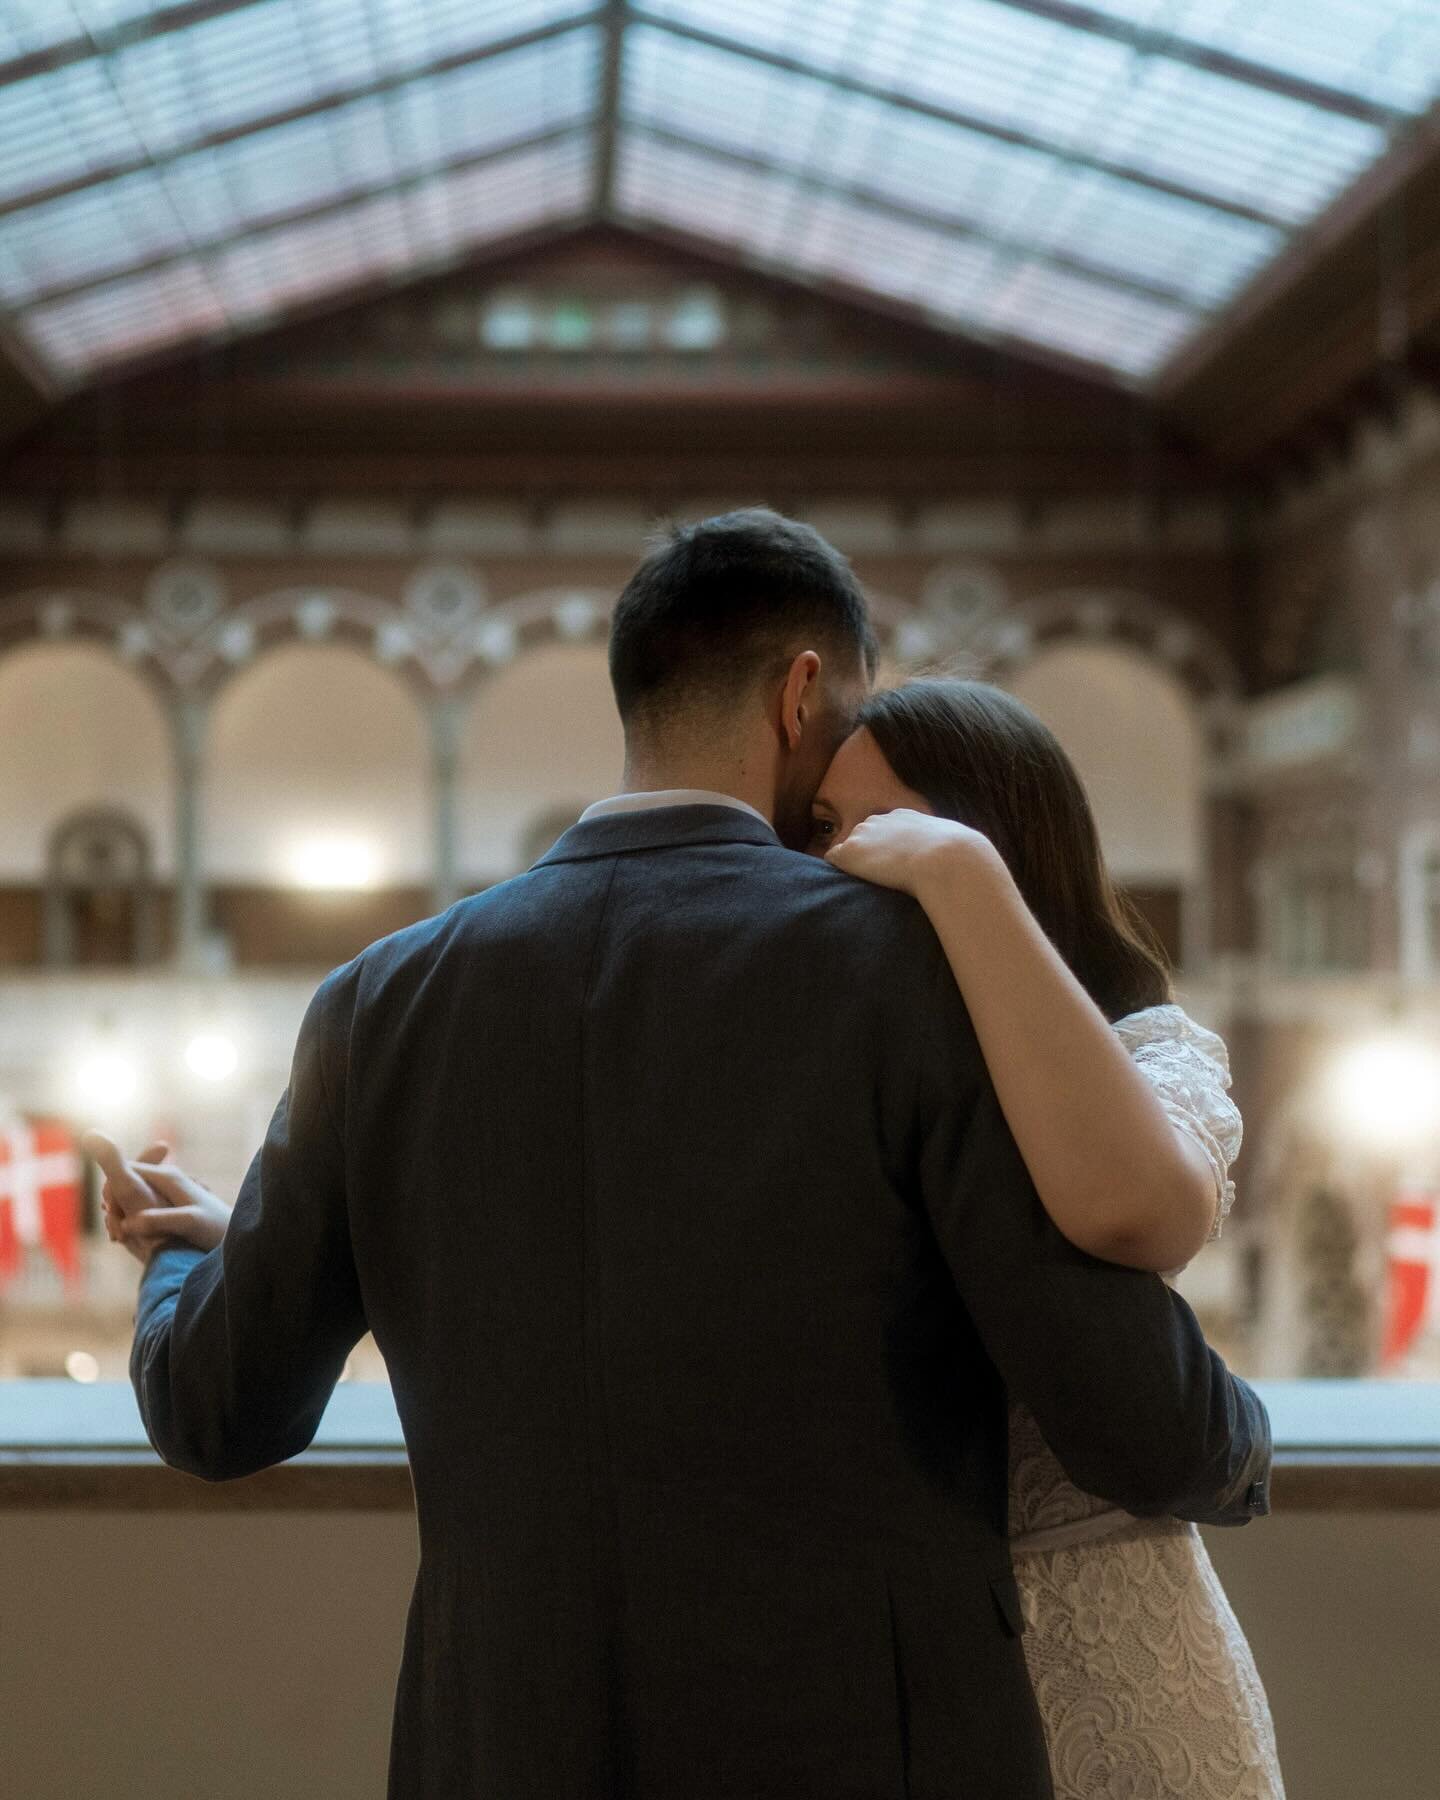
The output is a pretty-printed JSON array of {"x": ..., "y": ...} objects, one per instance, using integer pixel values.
[
  {"x": 1412, "y": 1303},
  {"x": 40, "y": 1176}
]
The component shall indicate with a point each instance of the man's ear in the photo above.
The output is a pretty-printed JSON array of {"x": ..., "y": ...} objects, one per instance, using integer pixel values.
[{"x": 797, "y": 697}]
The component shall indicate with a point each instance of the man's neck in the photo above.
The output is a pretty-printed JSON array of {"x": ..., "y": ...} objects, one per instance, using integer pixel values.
[{"x": 654, "y": 775}]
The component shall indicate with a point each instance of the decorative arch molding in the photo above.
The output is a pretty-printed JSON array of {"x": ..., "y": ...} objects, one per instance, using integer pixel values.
[
  {"x": 1125, "y": 620},
  {"x": 444, "y": 635},
  {"x": 967, "y": 615},
  {"x": 61, "y": 616}
]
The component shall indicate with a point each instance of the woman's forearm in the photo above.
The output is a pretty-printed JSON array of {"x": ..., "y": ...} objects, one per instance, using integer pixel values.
[{"x": 1111, "y": 1170}]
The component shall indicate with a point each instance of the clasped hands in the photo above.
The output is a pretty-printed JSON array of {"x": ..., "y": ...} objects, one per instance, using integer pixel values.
[{"x": 148, "y": 1200}]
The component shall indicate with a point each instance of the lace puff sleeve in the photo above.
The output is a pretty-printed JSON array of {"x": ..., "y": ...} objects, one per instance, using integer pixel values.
[{"x": 1189, "y": 1069}]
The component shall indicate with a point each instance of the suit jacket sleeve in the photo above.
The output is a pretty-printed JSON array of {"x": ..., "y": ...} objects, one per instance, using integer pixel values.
[
  {"x": 237, "y": 1352},
  {"x": 1112, "y": 1363}
]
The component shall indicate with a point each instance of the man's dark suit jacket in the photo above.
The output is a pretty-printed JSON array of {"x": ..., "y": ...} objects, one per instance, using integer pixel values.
[{"x": 672, "y": 1186}]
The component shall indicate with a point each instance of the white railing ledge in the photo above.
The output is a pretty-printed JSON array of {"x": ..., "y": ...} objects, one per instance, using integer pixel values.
[{"x": 1329, "y": 1416}]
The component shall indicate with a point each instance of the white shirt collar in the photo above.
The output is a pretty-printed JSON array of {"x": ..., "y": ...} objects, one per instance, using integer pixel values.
[{"x": 624, "y": 803}]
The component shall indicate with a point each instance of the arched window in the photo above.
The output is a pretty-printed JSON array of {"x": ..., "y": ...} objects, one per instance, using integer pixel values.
[
  {"x": 81, "y": 736},
  {"x": 318, "y": 811},
  {"x": 542, "y": 739},
  {"x": 1133, "y": 734},
  {"x": 99, "y": 893}
]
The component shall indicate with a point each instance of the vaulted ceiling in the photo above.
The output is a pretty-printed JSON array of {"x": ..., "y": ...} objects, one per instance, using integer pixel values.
[{"x": 1097, "y": 184}]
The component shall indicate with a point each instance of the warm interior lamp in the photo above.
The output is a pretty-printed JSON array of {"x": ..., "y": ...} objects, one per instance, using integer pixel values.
[
  {"x": 1386, "y": 1092},
  {"x": 106, "y": 1079},
  {"x": 335, "y": 863},
  {"x": 211, "y": 1056}
]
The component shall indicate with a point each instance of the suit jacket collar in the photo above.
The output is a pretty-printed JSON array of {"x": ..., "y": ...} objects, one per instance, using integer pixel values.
[{"x": 659, "y": 828}]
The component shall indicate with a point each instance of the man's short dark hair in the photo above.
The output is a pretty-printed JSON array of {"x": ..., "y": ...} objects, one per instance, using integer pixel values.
[{"x": 716, "y": 604}]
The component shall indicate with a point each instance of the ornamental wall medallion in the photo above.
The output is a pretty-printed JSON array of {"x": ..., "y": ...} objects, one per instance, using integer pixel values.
[
  {"x": 965, "y": 601},
  {"x": 183, "y": 599},
  {"x": 443, "y": 598},
  {"x": 443, "y": 607}
]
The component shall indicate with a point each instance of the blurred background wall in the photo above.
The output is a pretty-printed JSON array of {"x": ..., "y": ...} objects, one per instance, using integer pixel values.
[{"x": 346, "y": 366}]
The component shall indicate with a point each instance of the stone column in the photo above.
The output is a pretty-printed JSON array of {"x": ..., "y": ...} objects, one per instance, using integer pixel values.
[
  {"x": 446, "y": 716},
  {"x": 189, "y": 719}
]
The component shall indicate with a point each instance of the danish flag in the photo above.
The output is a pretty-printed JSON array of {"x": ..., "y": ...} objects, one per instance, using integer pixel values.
[
  {"x": 1413, "y": 1299},
  {"x": 40, "y": 1175}
]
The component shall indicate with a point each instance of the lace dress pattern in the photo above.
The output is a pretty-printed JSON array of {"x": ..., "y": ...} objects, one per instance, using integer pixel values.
[{"x": 1142, "y": 1673}]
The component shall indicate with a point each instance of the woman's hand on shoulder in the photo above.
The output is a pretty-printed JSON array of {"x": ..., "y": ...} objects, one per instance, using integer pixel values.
[{"x": 910, "y": 850}]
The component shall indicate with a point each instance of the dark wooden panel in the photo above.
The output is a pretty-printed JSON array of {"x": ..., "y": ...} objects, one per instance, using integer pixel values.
[
  {"x": 269, "y": 927},
  {"x": 275, "y": 928},
  {"x": 378, "y": 1480},
  {"x": 21, "y": 928}
]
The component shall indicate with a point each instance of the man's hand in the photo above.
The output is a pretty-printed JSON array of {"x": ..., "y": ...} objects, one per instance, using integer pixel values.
[{"x": 147, "y": 1201}]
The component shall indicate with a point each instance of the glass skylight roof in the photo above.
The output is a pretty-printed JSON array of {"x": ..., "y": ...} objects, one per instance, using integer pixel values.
[{"x": 1097, "y": 179}]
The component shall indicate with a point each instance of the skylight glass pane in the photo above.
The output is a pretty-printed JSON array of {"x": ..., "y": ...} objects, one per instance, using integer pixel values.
[
  {"x": 273, "y": 172},
  {"x": 240, "y": 66},
  {"x": 701, "y": 195},
  {"x": 278, "y": 54},
  {"x": 1025, "y": 199},
  {"x": 1389, "y": 52},
  {"x": 459, "y": 212},
  {"x": 100, "y": 16},
  {"x": 126, "y": 318},
  {"x": 1084, "y": 318},
  {"x": 90, "y": 233},
  {"x": 30, "y": 25},
  {"x": 1236, "y": 142},
  {"x": 354, "y": 246},
  {"x": 1073, "y": 89},
  {"x": 516, "y": 95},
  {"x": 264, "y": 275},
  {"x": 411, "y": 33},
  {"x": 721, "y": 99},
  {"x": 395, "y": 137},
  {"x": 974, "y": 48},
  {"x": 58, "y": 126},
  {"x": 857, "y": 245},
  {"x": 968, "y": 284},
  {"x": 1201, "y": 256}
]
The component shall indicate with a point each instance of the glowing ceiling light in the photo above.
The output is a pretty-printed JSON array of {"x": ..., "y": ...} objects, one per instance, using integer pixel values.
[
  {"x": 1386, "y": 1092},
  {"x": 335, "y": 863},
  {"x": 211, "y": 1055},
  {"x": 107, "y": 1079},
  {"x": 80, "y": 1365}
]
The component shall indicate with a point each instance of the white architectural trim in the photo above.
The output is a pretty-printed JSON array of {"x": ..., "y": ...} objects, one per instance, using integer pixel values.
[{"x": 1419, "y": 948}]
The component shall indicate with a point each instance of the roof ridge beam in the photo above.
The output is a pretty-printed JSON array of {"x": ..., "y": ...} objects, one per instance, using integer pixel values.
[
  {"x": 945, "y": 115},
  {"x": 612, "y": 80},
  {"x": 1149, "y": 40},
  {"x": 368, "y": 90},
  {"x": 859, "y": 195}
]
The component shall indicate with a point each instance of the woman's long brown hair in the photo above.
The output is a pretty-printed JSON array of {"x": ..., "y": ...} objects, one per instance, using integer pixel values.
[{"x": 981, "y": 757}]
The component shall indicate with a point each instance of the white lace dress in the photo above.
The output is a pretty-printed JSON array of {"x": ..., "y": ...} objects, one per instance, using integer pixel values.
[{"x": 1145, "y": 1682}]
